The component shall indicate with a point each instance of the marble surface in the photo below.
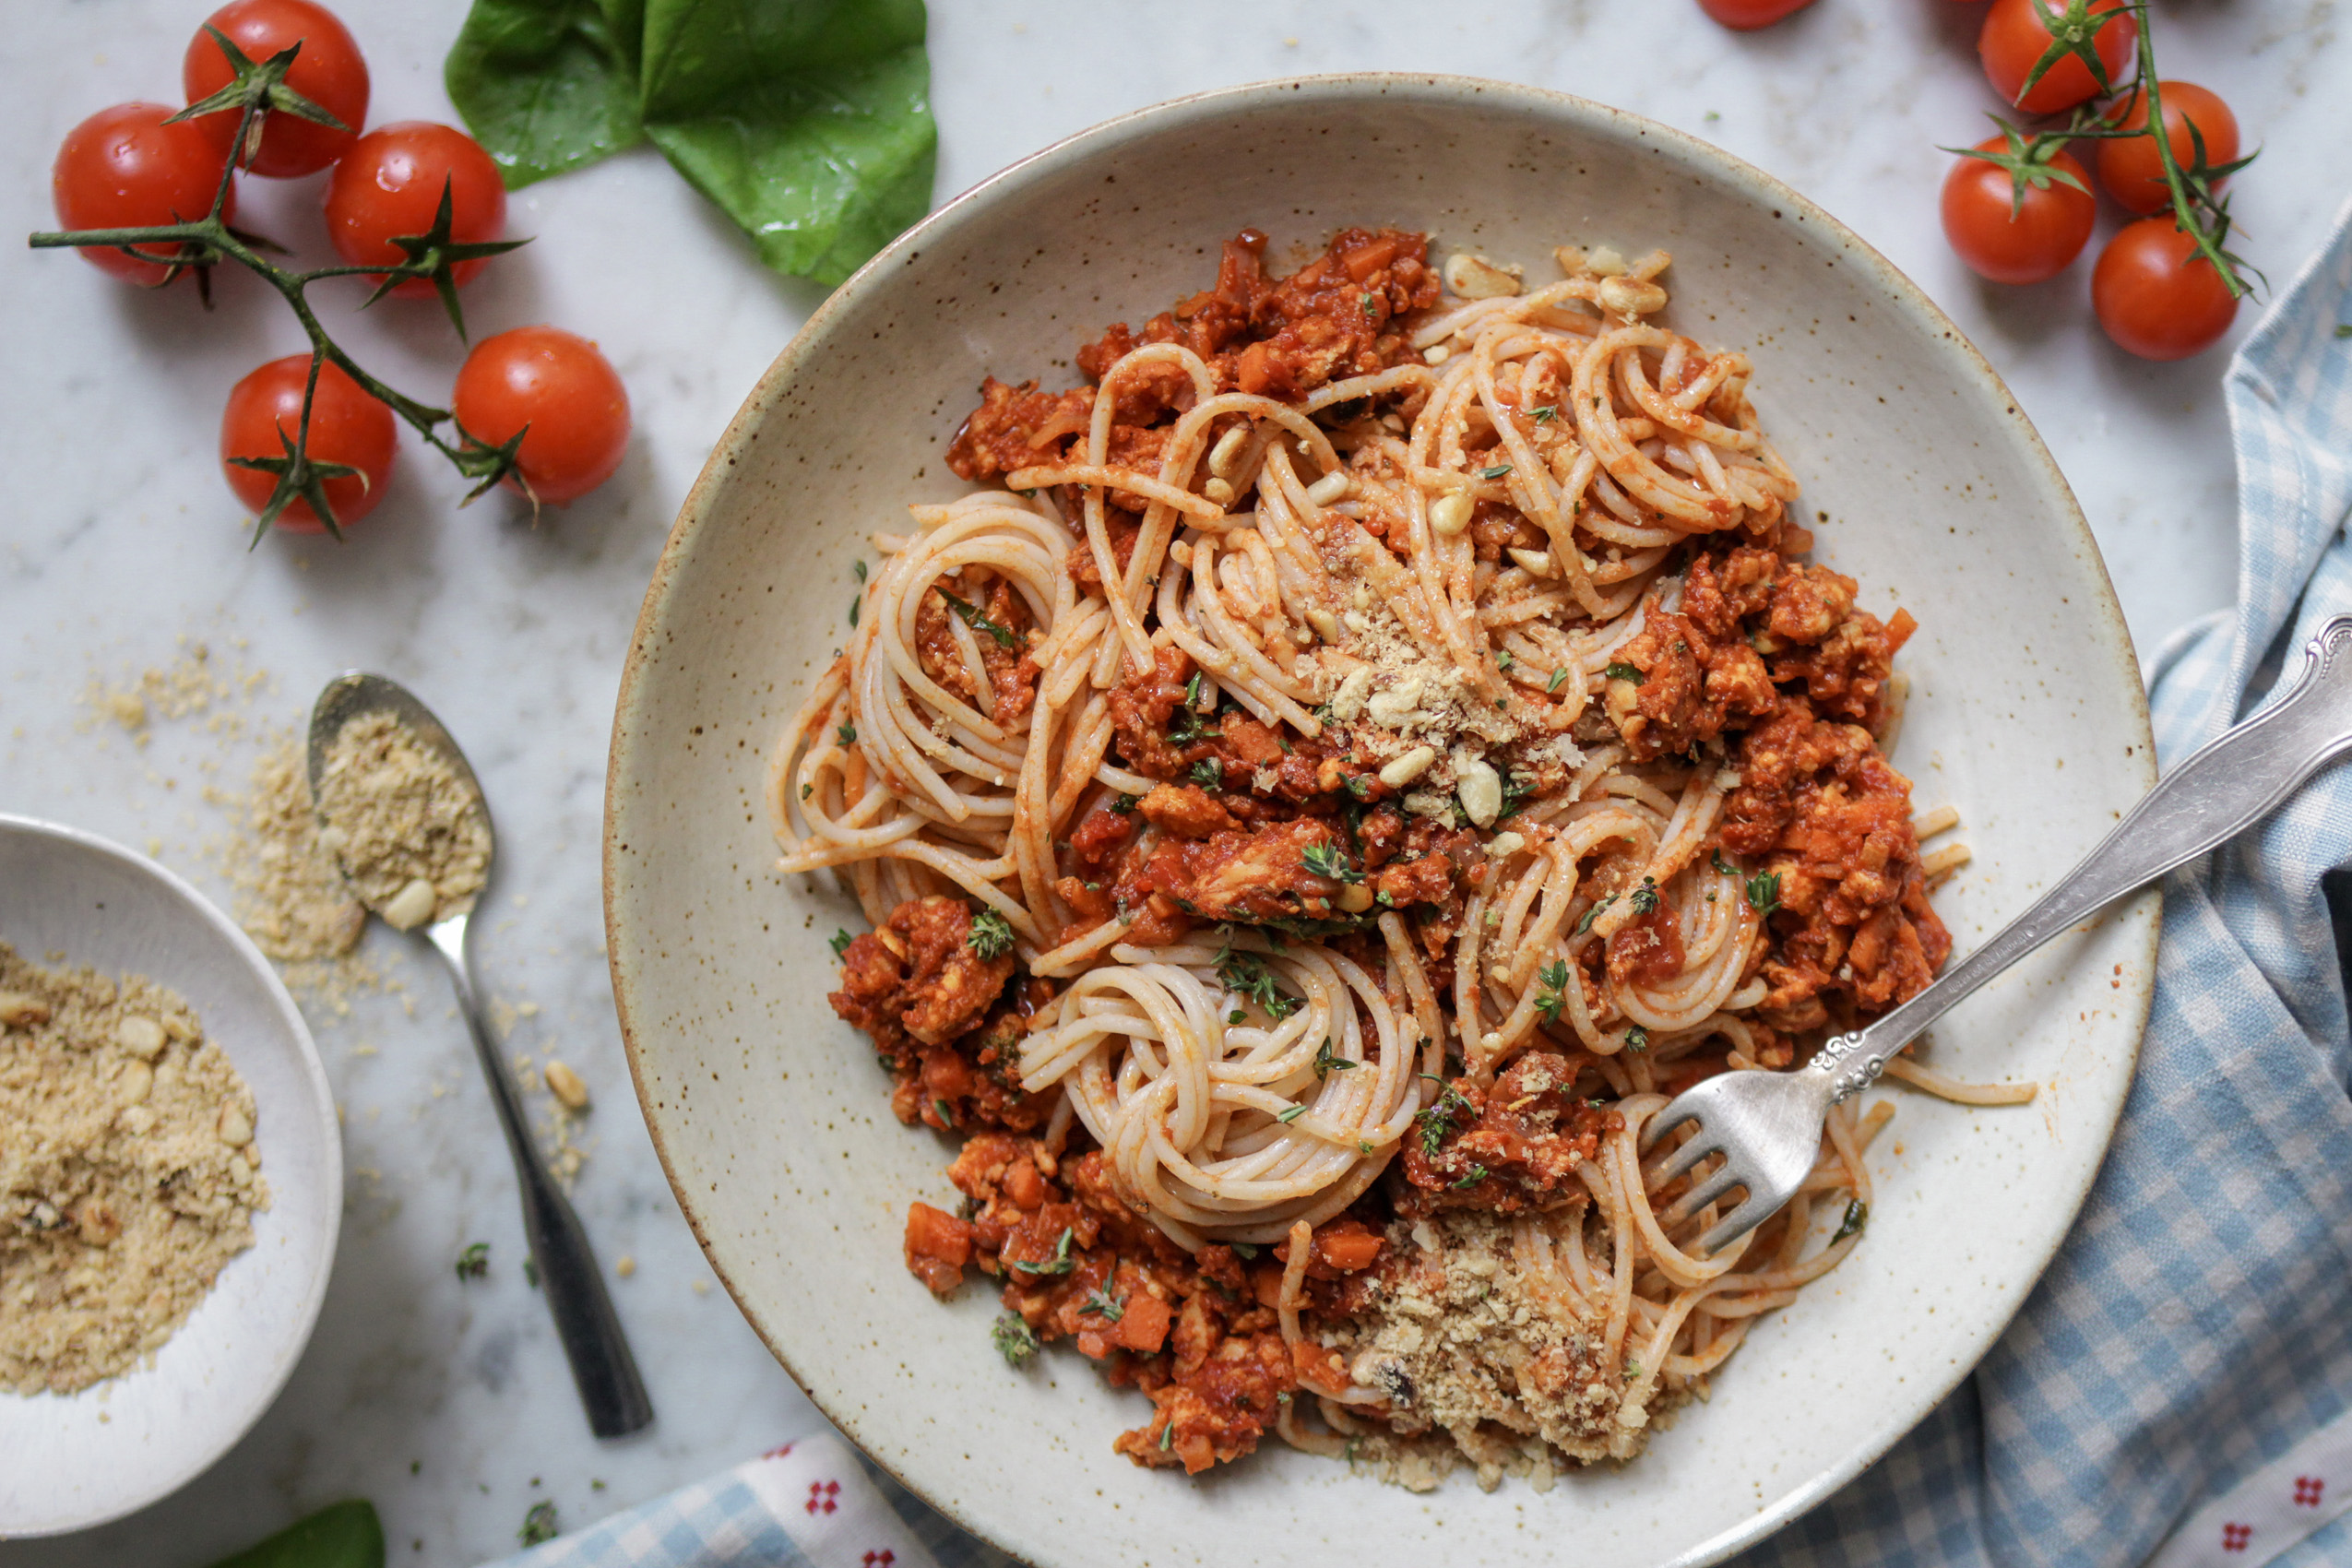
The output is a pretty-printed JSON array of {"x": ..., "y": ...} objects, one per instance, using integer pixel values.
[{"x": 448, "y": 1403}]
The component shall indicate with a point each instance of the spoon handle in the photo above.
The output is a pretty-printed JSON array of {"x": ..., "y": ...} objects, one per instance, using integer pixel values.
[
  {"x": 602, "y": 1367},
  {"x": 2218, "y": 793}
]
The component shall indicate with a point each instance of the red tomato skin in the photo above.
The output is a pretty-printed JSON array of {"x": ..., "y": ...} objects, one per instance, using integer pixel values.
[
  {"x": 390, "y": 183},
  {"x": 2130, "y": 168},
  {"x": 329, "y": 71},
  {"x": 2156, "y": 296},
  {"x": 346, "y": 426},
  {"x": 1746, "y": 15},
  {"x": 2015, "y": 35},
  {"x": 2041, "y": 242},
  {"x": 563, "y": 387},
  {"x": 124, "y": 168}
]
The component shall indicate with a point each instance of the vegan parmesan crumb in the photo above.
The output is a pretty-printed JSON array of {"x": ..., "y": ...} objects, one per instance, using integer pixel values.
[
  {"x": 129, "y": 1176},
  {"x": 292, "y": 899},
  {"x": 408, "y": 831}
]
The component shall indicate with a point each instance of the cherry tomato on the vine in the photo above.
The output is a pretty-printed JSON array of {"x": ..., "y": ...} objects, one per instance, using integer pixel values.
[
  {"x": 1745, "y": 16},
  {"x": 328, "y": 71},
  {"x": 2131, "y": 168},
  {"x": 565, "y": 390},
  {"x": 346, "y": 426},
  {"x": 2051, "y": 223},
  {"x": 124, "y": 168},
  {"x": 2157, "y": 297},
  {"x": 2017, "y": 33},
  {"x": 390, "y": 182}
]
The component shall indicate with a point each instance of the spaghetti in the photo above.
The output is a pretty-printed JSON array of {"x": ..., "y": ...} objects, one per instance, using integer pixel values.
[{"x": 1367, "y": 750}]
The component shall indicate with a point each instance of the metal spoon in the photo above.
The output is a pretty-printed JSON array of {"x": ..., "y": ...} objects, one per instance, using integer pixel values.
[
  {"x": 1768, "y": 1125},
  {"x": 593, "y": 1342}
]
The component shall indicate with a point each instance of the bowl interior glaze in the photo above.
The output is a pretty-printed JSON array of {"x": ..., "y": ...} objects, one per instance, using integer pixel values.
[{"x": 1923, "y": 480}]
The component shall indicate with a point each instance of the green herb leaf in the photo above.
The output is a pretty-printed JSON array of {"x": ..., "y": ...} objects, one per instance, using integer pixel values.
[
  {"x": 1209, "y": 772},
  {"x": 1543, "y": 413},
  {"x": 1643, "y": 899},
  {"x": 1168, "y": 1435},
  {"x": 1475, "y": 1174},
  {"x": 1103, "y": 1307},
  {"x": 1326, "y": 861},
  {"x": 1327, "y": 1063},
  {"x": 344, "y": 1535},
  {"x": 858, "y": 570},
  {"x": 1060, "y": 1262},
  {"x": 1247, "y": 1251},
  {"x": 1124, "y": 805},
  {"x": 1554, "y": 978},
  {"x": 1636, "y": 1037},
  {"x": 539, "y": 1523},
  {"x": 1286, "y": 1117},
  {"x": 1857, "y": 1216},
  {"x": 846, "y": 734},
  {"x": 839, "y": 942},
  {"x": 1763, "y": 892},
  {"x": 1246, "y": 973},
  {"x": 1495, "y": 472},
  {"x": 971, "y": 615},
  {"x": 1585, "y": 924},
  {"x": 2343, "y": 329},
  {"x": 808, "y": 122},
  {"x": 547, "y": 85},
  {"x": 1014, "y": 1340},
  {"x": 474, "y": 1261},
  {"x": 1623, "y": 672},
  {"x": 1722, "y": 866},
  {"x": 1437, "y": 1118},
  {"x": 991, "y": 935},
  {"x": 1558, "y": 679}
]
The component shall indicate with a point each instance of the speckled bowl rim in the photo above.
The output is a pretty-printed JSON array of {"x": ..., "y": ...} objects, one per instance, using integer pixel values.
[
  {"x": 321, "y": 1097},
  {"x": 1966, "y": 363}
]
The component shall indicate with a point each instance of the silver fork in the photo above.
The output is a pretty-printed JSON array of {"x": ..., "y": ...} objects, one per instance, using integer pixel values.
[{"x": 1768, "y": 1125}]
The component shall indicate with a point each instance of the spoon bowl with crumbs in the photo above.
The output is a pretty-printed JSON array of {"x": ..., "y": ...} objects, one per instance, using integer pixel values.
[{"x": 406, "y": 820}]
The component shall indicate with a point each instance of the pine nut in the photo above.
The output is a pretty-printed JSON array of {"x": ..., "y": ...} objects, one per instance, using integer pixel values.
[
  {"x": 1536, "y": 562},
  {"x": 234, "y": 1127},
  {"x": 1332, "y": 487},
  {"x": 1228, "y": 450},
  {"x": 566, "y": 1085},
  {"x": 141, "y": 1036},
  {"x": 1409, "y": 767},
  {"x": 1475, "y": 277},
  {"x": 16, "y": 1007},
  {"x": 1480, "y": 789},
  {"x": 412, "y": 905},
  {"x": 1450, "y": 513}
]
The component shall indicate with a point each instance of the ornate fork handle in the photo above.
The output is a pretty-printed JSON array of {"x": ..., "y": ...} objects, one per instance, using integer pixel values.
[{"x": 2223, "y": 788}]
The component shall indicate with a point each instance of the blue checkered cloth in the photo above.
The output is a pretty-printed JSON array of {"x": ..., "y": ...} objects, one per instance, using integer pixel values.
[{"x": 2197, "y": 1325}]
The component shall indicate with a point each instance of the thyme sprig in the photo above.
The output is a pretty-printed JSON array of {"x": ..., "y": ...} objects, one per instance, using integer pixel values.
[{"x": 256, "y": 90}]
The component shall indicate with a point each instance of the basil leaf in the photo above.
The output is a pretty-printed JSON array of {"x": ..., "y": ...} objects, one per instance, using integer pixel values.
[
  {"x": 807, "y": 121},
  {"x": 345, "y": 1535},
  {"x": 547, "y": 85}
]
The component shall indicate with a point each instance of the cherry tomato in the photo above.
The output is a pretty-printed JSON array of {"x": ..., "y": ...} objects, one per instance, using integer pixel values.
[
  {"x": 2156, "y": 296},
  {"x": 565, "y": 390},
  {"x": 2050, "y": 227},
  {"x": 2129, "y": 166},
  {"x": 2017, "y": 32},
  {"x": 389, "y": 184},
  {"x": 346, "y": 426},
  {"x": 1745, "y": 16},
  {"x": 124, "y": 168},
  {"x": 328, "y": 71}
]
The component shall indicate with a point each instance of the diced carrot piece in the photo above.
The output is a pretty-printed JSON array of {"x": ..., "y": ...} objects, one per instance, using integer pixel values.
[
  {"x": 1367, "y": 259},
  {"x": 1899, "y": 630},
  {"x": 1347, "y": 1250},
  {"x": 935, "y": 1233},
  {"x": 1265, "y": 1283},
  {"x": 1024, "y": 1185},
  {"x": 1142, "y": 1327},
  {"x": 1319, "y": 1367}
]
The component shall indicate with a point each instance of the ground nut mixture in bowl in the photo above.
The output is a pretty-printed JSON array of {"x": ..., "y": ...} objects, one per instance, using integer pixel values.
[
  {"x": 409, "y": 829},
  {"x": 130, "y": 1174}
]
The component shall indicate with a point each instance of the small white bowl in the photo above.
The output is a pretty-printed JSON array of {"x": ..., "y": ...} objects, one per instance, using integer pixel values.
[{"x": 79, "y": 1460}]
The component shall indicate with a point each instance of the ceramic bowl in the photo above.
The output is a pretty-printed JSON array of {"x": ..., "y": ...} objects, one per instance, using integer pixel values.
[
  {"x": 79, "y": 1460},
  {"x": 1923, "y": 480}
]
